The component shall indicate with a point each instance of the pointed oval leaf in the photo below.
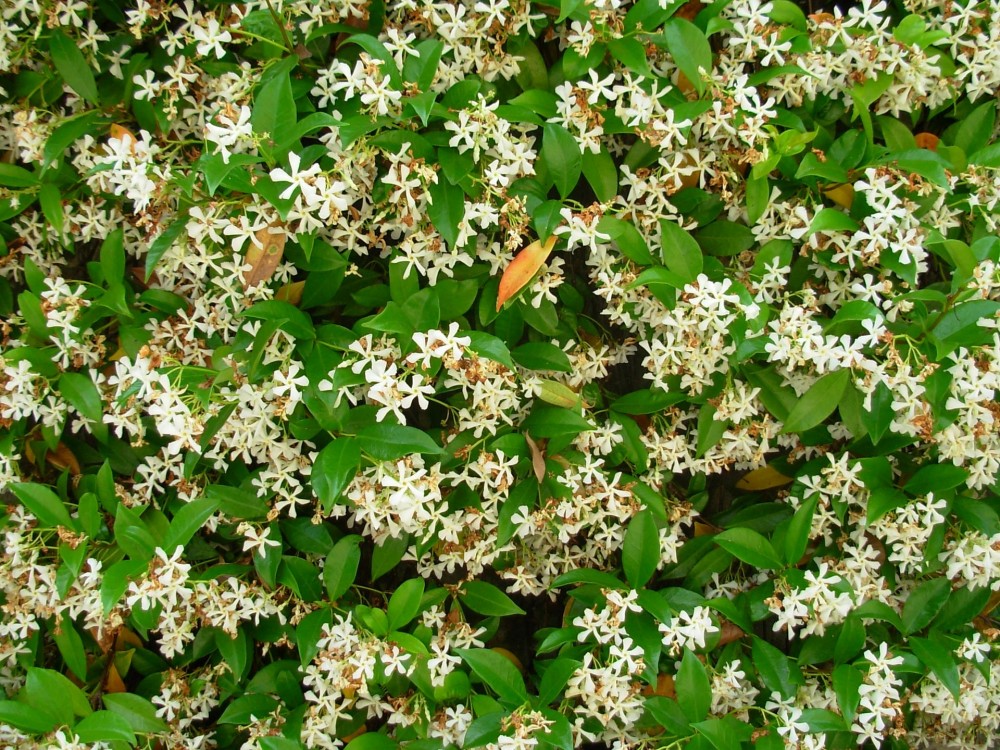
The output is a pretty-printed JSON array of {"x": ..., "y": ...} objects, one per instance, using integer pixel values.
[{"x": 522, "y": 269}]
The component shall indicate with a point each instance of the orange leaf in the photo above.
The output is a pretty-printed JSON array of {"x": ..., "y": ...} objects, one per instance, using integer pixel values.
[
  {"x": 265, "y": 256},
  {"x": 927, "y": 140},
  {"x": 522, "y": 269},
  {"x": 120, "y": 133},
  {"x": 113, "y": 682}
]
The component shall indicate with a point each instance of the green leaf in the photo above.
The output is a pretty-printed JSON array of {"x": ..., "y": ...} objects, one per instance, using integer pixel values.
[
  {"x": 372, "y": 741},
  {"x": 333, "y": 470},
  {"x": 236, "y": 652},
  {"x": 724, "y": 237},
  {"x": 50, "y": 200},
  {"x": 694, "y": 691},
  {"x": 42, "y": 685},
  {"x": 274, "y": 110},
  {"x": 601, "y": 172},
  {"x": 818, "y": 403},
  {"x": 446, "y": 209},
  {"x": 186, "y": 522},
  {"x": 247, "y": 708},
  {"x": 936, "y": 655},
  {"x": 797, "y": 537},
  {"x": 70, "y": 646},
  {"x": 681, "y": 253},
  {"x": 104, "y": 726},
  {"x": 163, "y": 242},
  {"x": 562, "y": 158},
  {"x": 80, "y": 392},
  {"x": 405, "y": 603},
  {"x": 750, "y": 547},
  {"x": 541, "y": 355},
  {"x": 236, "y": 502},
  {"x": 555, "y": 678},
  {"x": 26, "y": 718},
  {"x": 724, "y": 734},
  {"x": 387, "y": 555},
  {"x": 831, "y": 220},
  {"x": 641, "y": 552},
  {"x": 13, "y": 176},
  {"x": 778, "y": 672},
  {"x": 491, "y": 347},
  {"x": 497, "y": 672},
  {"x": 43, "y": 504},
  {"x": 72, "y": 66},
  {"x": 847, "y": 681},
  {"x": 553, "y": 421},
  {"x": 341, "y": 567},
  {"x": 387, "y": 442},
  {"x": 923, "y": 604},
  {"x": 690, "y": 50},
  {"x": 486, "y": 599},
  {"x": 627, "y": 238}
]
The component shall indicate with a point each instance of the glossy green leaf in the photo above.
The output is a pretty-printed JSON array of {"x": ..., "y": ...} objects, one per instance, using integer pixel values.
[
  {"x": 486, "y": 599},
  {"x": 72, "y": 65},
  {"x": 641, "y": 552},
  {"x": 694, "y": 690},
  {"x": 497, "y": 672},
  {"x": 750, "y": 547}
]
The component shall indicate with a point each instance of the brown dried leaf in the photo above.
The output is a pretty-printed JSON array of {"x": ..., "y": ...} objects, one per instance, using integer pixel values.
[
  {"x": 264, "y": 255},
  {"x": 730, "y": 633},
  {"x": 522, "y": 269},
  {"x": 537, "y": 458},
  {"x": 63, "y": 458}
]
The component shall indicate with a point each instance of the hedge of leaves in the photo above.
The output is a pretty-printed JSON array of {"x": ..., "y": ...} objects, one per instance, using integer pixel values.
[{"x": 498, "y": 373}]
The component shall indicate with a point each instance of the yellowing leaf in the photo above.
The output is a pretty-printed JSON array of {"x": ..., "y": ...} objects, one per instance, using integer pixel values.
[
  {"x": 264, "y": 255},
  {"x": 763, "y": 478},
  {"x": 558, "y": 394},
  {"x": 842, "y": 195},
  {"x": 291, "y": 292},
  {"x": 522, "y": 269}
]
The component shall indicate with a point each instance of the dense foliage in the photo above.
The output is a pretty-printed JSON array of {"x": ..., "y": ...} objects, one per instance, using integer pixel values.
[{"x": 497, "y": 373}]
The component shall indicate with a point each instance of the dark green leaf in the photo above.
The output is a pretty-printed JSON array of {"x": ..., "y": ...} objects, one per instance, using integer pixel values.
[
  {"x": 188, "y": 520},
  {"x": 405, "y": 603},
  {"x": 562, "y": 158},
  {"x": 818, "y": 402},
  {"x": 333, "y": 470},
  {"x": 73, "y": 66},
  {"x": 387, "y": 442},
  {"x": 446, "y": 209},
  {"x": 923, "y": 604},
  {"x": 750, "y": 547},
  {"x": 497, "y": 672},
  {"x": 81, "y": 393},
  {"x": 690, "y": 49},
  {"x": 43, "y": 504},
  {"x": 681, "y": 253},
  {"x": 694, "y": 691},
  {"x": 641, "y": 549},
  {"x": 486, "y": 599}
]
